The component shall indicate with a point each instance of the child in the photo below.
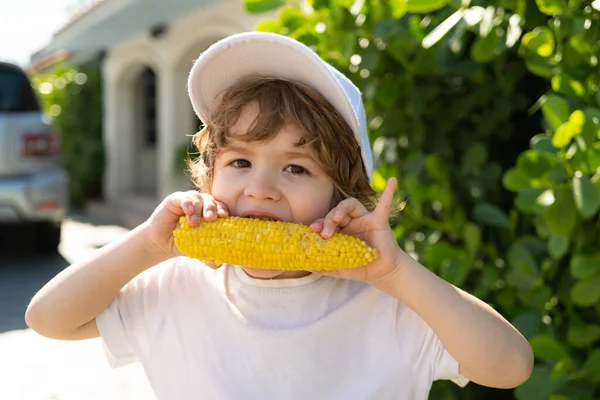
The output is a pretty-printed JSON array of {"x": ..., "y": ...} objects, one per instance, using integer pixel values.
[{"x": 285, "y": 139}]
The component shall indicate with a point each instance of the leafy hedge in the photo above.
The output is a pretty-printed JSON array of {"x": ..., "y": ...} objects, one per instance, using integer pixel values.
[
  {"x": 72, "y": 97},
  {"x": 487, "y": 112}
]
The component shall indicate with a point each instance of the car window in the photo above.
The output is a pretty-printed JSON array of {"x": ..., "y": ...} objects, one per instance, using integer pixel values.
[{"x": 16, "y": 93}]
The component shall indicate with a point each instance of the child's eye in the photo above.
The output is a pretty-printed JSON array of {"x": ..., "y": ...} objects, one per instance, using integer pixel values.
[
  {"x": 296, "y": 169},
  {"x": 240, "y": 163}
]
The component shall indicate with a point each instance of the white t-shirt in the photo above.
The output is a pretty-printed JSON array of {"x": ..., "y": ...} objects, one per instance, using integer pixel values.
[{"x": 220, "y": 334}]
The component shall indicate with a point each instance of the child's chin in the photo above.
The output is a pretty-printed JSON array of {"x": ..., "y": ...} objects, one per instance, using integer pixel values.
[{"x": 259, "y": 273}]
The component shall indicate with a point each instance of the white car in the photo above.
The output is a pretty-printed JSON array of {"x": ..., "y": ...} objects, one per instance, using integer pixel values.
[{"x": 33, "y": 185}]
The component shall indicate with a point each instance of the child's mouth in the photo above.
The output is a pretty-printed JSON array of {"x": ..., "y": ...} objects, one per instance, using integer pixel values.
[{"x": 262, "y": 218}]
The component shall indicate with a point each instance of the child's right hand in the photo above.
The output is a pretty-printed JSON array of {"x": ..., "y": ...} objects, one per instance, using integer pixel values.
[{"x": 164, "y": 219}]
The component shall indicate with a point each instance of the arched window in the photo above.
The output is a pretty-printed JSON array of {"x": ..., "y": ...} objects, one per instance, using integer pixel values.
[{"x": 149, "y": 107}]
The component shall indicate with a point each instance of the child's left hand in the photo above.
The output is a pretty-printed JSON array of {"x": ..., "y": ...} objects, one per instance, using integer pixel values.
[{"x": 352, "y": 218}]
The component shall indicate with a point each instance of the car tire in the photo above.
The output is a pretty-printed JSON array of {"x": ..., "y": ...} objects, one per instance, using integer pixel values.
[{"x": 47, "y": 237}]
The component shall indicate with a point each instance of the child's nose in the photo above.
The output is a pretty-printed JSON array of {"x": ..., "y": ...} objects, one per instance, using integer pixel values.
[{"x": 262, "y": 186}]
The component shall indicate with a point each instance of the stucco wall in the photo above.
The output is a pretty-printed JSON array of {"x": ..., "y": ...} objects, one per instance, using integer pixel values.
[{"x": 170, "y": 56}]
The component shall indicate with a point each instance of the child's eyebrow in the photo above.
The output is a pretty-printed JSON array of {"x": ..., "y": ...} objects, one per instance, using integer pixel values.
[
  {"x": 298, "y": 154},
  {"x": 232, "y": 148},
  {"x": 286, "y": 154}
]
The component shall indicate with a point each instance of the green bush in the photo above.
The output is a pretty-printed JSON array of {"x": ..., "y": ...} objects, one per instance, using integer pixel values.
[
  {"x": 73, "y": 99},
  {"x": 487, "y": 112}
]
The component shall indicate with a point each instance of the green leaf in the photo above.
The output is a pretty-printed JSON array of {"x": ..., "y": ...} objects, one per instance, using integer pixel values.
[
  {"x": 519, "y": 256},
  {"x": 484, "y": 48},
  {"x": 562, "y": 369},
  {"x": 347, "y": 43},
  {"x": 548, "y": 348},
  {"x": 440, "y": 192},
  {"x": 540, "y": 66},
  {"x": 590, "y": 127},
  {"x": 557, "y": 176},
  {"x": 534, "y": 163},
  {"x": 567, "y": 131},
  {"x": 440, "y": 252},
  {"x": 543, "y": 143},
  {"x": 306, "y": 36},
  {"x": 437, "y": 167},
  {"x": 262, "y": 6},
  {"x": 556, "y": 111},
  {"x": 596, "y": 180},
  {"x": 540, "y": 386},
  {"x": 586, "y": 292},
  {"x": 472, "y": 237},
  {"x": 424, "y": 6},
  {"x": 474, "y": 157},
  {"x": 591, "y": 368},
  {"x": 558, "y": 246},
  {"x": 526, "y": 200},
  {"x": 378, "y": 181},
  {"x": 540, "y": 41},
  {"x": 292, "y": 18},
  {"x": 586, "y": 195},
  {"x": 536, "y": 298},
  {"x": 523, "y": 269},
  {"x": 455, "y": 271},
  {"x": 415, "y": 189},
  {"x": 561, "y": 216},
  {"x": 387, "y": 92},
  {"x": 399, "y": 8},
  {"x": 551, "y": 7},
  {"x": 515, "y": 179},
  {"x": 489, "y": 214},
  {"x": 565, "y": 84},
  {"x": 581, "y": 334},
  {"x": 370, "y": 58},
  {"x": 594, "y": 158},
  {"x": 593, "y": 114},
  {"x": 585, "y": 265},
  {"x": 528, "y": 322},
  {"x": 268, "y": 25}
]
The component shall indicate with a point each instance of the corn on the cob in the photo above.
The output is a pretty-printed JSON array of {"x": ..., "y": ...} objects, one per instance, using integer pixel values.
[{"x": 279, "y": 245}]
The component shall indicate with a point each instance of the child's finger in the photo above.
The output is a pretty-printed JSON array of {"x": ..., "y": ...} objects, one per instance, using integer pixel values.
[
  {"x": 222, "y": 210},
  {"x": 194, "y": 217},
  {"x": 213, "y": 265},
  {"x": 187, "y": 205},
  {"x": 181, "y": 203},
  {"x": 329, "y": 224},
  {"x": 209, "y": 208},
  {"x": 317, "y": 225},
  {"x": 341, "y": 216},
  {"x": 352, "y": 208},
  {"x": 384, "y": 206}
]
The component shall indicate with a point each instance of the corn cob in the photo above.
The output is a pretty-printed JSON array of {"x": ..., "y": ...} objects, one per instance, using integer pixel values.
[{"x": 278, "y": 245}]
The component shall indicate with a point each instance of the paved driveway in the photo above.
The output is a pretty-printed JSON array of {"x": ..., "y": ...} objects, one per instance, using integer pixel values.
[{"x": 36, "y": 368}]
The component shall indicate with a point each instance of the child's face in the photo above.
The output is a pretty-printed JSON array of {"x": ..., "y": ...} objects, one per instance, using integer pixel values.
[{"x": 275, "y": 179}]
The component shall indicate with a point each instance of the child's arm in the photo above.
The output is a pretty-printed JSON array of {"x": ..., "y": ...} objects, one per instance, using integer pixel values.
[
  {"x": 489, "y": 350},
  {"x": 66, "y": 307}
]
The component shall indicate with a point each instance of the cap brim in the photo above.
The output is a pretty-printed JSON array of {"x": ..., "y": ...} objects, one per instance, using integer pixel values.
[{"x": 263, "y": 54}]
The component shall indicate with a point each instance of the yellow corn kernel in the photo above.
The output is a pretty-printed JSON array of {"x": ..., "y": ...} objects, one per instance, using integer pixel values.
[{"x": 279, "y": 245}]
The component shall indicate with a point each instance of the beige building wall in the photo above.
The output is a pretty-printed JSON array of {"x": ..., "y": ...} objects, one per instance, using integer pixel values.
[{"x": 146, "y": 173}]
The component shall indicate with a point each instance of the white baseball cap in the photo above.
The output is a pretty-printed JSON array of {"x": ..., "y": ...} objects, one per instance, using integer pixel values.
[{"x": 270, "y": 55}]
